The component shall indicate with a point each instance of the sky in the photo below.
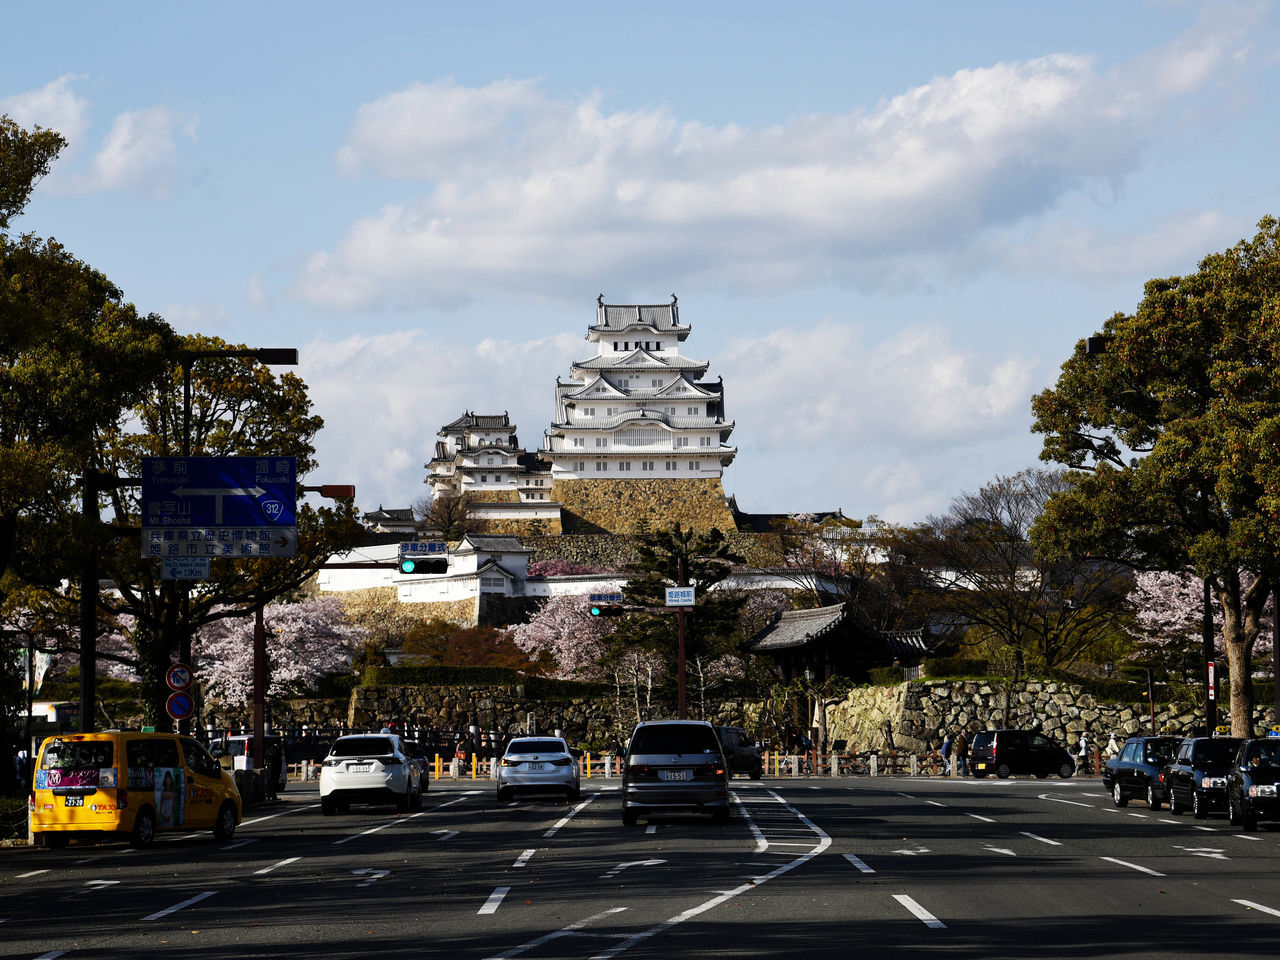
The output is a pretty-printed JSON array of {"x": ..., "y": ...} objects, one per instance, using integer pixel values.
[{"x": 887, "y": 224}]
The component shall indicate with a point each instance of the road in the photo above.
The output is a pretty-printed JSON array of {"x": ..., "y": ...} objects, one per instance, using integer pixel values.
[{"x": 808, "y": 868}]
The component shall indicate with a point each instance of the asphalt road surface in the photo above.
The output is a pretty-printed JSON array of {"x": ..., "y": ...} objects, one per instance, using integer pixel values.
[{"x": 806, "y": 868}]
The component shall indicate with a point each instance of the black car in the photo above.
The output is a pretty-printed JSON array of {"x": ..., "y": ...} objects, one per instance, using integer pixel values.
[
  {"x": 1251, "y": 783},
  {"x": 1195, "y": 778},
  {"x": 1006, "y": 752},
  {"x": 740, "y": 752},
  {"x": 674, "y": 766},
  {"x": 1137, "y": 770}
]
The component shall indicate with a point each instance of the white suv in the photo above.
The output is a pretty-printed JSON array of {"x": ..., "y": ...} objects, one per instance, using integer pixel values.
[{"x": 369, "y": 768}]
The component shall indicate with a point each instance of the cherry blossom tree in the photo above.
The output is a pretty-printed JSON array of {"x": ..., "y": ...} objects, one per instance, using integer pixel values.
[
  {"x": 564, "y": 629},
  {"x": 305, "y": 641}
]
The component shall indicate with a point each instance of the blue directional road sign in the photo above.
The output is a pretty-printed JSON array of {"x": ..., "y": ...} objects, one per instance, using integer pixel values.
[{"x": 219, "y": 507}]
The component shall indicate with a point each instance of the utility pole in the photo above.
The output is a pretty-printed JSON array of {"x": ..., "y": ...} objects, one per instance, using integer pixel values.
[{"x": 683, "y": 578}]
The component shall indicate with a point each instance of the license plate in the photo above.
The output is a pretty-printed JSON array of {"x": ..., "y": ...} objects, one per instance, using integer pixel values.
[
  {"x": 535, "y": 766},
  {"x": 673, "y": 774},
  {"x": 980, "y": 766},
  {"x": 359, "y": 767},
  {"x": 73, "y": 801}
]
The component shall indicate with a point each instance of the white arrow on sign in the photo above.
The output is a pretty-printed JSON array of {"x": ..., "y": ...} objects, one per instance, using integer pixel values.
[
  {"x": 218, "y": 493},
  {"x": 633, "y": 863},
  {"x": 373, "y": 875}
]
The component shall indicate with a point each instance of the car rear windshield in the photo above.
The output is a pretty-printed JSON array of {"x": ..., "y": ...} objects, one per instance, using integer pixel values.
[
  {"x": 535, "y": 746},
  {"x": 674, "y": 739},
  {"x": 362, "y": 747},
  {"x": 78, "y": 755},
  {"x": 1216, "y": 751},
  {"x": 982, "y": 740}
]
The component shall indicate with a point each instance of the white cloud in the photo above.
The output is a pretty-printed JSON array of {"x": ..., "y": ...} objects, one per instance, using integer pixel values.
[
  {"x": 526, "y": 193},
  {"x": 138, "y": 154}
]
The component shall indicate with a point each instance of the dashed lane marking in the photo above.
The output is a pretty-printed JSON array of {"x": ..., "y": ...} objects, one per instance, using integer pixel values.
[
  {"x": 858, "y": 863},
  {"x": 179, "y": 906},
  {"x": 495, "y": 898},
  {"x": 920, "y": 912},
  {"x": 1133, "y": 866}
]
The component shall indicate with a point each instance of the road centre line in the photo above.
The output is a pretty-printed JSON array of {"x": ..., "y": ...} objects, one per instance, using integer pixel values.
[
  {"x": 282, "y": 813},
  {"x": 569, "y": 816},
  {"x": 1034, "y": 836},
  {"x": 495, "y": 898},
  {"x": 858, "y": 863},
  {"x": 920, "y": 912},
  {"x": 282, "y": 863},
  {"x": 179, "y": 906},
  {"x": 30, "y": 873},
  {"x": 1133, "y": 866},
  {"x": 1074, "y": 803},
  {"x": 977, "y": 817},
  {"x": 1257, "y": 906},
  {"x": 755, "y": 883},
  {"x": 547, "y": 938},
  {"x": 524, "y": 858},
  {"x": 935, "y": 803}
]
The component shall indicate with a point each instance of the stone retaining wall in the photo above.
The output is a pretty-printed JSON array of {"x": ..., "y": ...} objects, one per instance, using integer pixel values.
[{"x": 617, "y": 505}]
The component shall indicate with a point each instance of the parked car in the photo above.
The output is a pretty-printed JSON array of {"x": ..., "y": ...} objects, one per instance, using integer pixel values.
[
  {"x": 419, "y": 755},
  {"x": 1195, "y": 778},
  {"x": 533, "y": 764},
  {"x": 740, "y": 752},
  {"x": 1137, "y": 770},
  {"x": 1252, "y": 794},
  {"x": 1009, "y": 752},
  {"x": 130, "y": 784},
  {"x": 674, "y": 766},
  {"x": 369, "y": 768}
]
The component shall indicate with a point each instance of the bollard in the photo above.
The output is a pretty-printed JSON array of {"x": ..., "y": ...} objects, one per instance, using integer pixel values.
[
  {"x": 608, "y": 767},
  {"x": 835, "y": 765},
  {"x": 795, "y": 766},
  {"x": 915, "y": 766},
  {"x": 454, "y": 769},
  {"x": 874, "y": 769},
  {"x": 588, "y": 766}
]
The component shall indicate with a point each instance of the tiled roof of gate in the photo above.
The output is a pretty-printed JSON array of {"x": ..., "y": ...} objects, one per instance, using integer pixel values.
[{"x": 796, "y": 628}]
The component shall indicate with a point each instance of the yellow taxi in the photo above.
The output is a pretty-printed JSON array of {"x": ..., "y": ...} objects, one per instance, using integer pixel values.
[{"x": 129, "y": 783}]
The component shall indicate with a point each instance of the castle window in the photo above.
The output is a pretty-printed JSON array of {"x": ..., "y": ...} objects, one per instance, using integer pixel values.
[
  {"x": 704, "y": 441},
  {"x": 694, "y": 465},
  {"x": 669, "y": 465},
  {"x": 588, "y": 411},
  {"x": 682, "y": 441},
  {"x": 602, "y": 441},
  {"x": 693, "y": 411},
  {"x": 602, "y": 466},
  {"x": 610, "y": 411},
  {"x": 579, "y": 441},
  {"x": 484, "y": 478},
  {"x": 615, "y": 346},
  {"x": 646, "y": 465},
  {"x": 625, "y": 466},
  {"x": 626, "y": 345},
  {"x": 655, "y": 383},
  {"x": 579, "y": 466},
  {"x": 670, "y": 411}
]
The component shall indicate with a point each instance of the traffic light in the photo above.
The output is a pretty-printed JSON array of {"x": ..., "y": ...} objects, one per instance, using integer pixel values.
[
  {"x": 424, "y": 565},
  {"x": 606, "y": 610}
]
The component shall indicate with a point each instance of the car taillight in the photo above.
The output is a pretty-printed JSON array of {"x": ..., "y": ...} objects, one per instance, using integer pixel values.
[
  {"x": 710, "y": 770},
  {"x": 31, "y": 802},
  {"x": 390, "y": 761},
  {"x": 562, "y": 761},
  {"x": 640, "y": 770}
]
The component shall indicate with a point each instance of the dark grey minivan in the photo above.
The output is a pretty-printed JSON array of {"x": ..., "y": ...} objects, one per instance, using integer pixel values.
[{"x": 674, "y": 766}]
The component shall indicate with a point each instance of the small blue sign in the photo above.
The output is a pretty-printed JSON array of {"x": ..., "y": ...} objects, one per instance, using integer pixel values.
[
  {"x": 680, "y": 596},
  {"x": 179, "y": 705},
  {"x": 604, "y": 598}
]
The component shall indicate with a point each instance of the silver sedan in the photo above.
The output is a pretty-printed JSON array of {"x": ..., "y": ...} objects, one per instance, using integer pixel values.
[{"x": 539, "y": 764}]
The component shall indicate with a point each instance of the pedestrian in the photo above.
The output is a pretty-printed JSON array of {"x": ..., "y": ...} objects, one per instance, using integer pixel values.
[
  {"x": 1082, "y": 752},
  {"x": 1112, "y": 747},
  {"x": 960, "y": 747},
  {"x": 946, "y": 753}
]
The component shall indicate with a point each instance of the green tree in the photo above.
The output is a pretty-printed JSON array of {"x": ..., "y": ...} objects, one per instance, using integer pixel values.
[
  {"x": 25, "y": 157},
  {"x": 674, "y": 557},
  {"x": 1173, "y": 434},
  {"x": 239, "y": 408}
]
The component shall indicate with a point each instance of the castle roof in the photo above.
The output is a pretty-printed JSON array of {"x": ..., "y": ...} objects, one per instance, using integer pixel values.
[
  {"x": 616, "y": 317},
  {"x": 479, "y": 421},
  {"x": 797, "y": 628},
  {"x": 640, "y": 361}
]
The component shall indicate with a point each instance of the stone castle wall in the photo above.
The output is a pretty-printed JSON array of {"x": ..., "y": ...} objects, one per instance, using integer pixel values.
[
  {"x": 615, "y": 552},
  {"x": 617, "y": 505},
  {"x": 465, "y": 611}
]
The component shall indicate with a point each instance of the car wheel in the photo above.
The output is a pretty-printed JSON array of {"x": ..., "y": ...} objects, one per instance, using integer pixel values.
[
  {"x": 1117, "y": 795},
  {"x": 1199, "y": 805},
  {"x": 402, "y": 802},
  {"x": 224, "y": 828},
  {"x": 721, "y": 815},
  {"x": 1066, "y": 770},
  {"x": 574, "y": 792},
  {"x": 56, "y": 841},
  {"x": 757, "y": 771},
  {"x": 504, "y": 794},
  {"x": 1247, "y": 823},
  {"x": 628, "y": 817},
  {"x": 416, "y": 802},
  {"x": 1175, "y": 805},
  {"x": 1233, "y": 813},
  {"x": 144, "y": 829},
  {"x": 328, "y": 806},
  {"x": 1003, "y": 771},
  {"x": 1041, "y": 774},
  {"x": 344, "y": 807},
  {"x": 1153, "y": 802}
]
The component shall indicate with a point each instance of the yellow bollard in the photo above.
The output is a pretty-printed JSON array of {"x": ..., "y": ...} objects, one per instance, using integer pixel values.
[
  {"x": 473, "y": 766},
  {"x": 437, "y": 766},
  {"x": 588, "y": 766}
]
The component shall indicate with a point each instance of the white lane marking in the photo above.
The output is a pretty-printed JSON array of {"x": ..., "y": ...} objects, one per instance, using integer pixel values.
[
  {"x": 906, "y": 796},
  {"x": 282, "y": 863},
  {"x": 761, "y": 843},
  {"x": 445, "y": 834},
  {"x": 524, "y": 858},
  {"x": 935, "y": 803},
  {"x": 392, "y": 823},
  {"x": 1245, "y": 836},
  {"x": 1213, "y": 829},
  {"x": 983, "y": 819},
  {"x": 1257, "y": 906},
  {"x": 652, "y": 828},
  {"x": 1174, "y": 822},
  {"x": 1140, "y": 816},
  {"x": 51, "y": 955},
  {"x": 858, "y": 863},
  {"x": 1005, "y": 850},
  {"x": 1036, "y": 836},
  {"x": 823, "y": 843},
  {"x": 178, "y": 906},
  {"x": 1074, "y": 803},
  {"x": 563, "y": 932},
  {"x": 30, "y": 873},
  {"x": 630, "y": 863},
  {"x": 569, "y": 816},
  {"x": 372, "y": 874},
  {"x": 911, "y": 853},
  {"x": 1132, "y": 866},
  {"x": 920, "y": 912},
  {"x": 1211, "y": 852},
  {"x": 91, "y": 886},
  {"x": 282, "y": 813},
  {"x": 240, "y": 843},
  {"x": 495, "y": 898}
]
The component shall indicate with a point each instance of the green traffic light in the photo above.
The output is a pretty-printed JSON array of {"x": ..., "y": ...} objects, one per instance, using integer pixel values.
[
  {"x": 406, "y": 566},
  {"x": 595, "y": 611}
]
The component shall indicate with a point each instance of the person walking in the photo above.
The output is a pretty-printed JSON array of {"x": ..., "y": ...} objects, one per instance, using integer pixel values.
[
  {"x": 947, "y": 766},
  {"x": 960, "y": 747},
  {"x": 1082, "y": 753}
]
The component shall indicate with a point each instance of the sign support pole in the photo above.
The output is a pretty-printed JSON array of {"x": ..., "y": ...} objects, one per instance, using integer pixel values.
[{"x": 259, "y": 688}]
